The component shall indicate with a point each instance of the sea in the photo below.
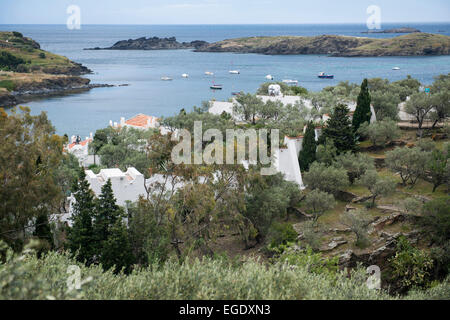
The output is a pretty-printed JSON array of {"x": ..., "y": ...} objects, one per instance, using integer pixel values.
[{"x": 83, "y": 113}]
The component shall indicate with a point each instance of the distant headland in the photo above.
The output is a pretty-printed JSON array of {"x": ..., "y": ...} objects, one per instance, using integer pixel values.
[
  {"x": 413, "y": 44},
  {"x": 153, "y": 43},
  {"x": 395, "y": 30}
]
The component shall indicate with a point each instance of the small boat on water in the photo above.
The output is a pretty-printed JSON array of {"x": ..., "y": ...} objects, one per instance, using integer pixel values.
[
  {"x": 166, "y": 79},
  {"x": 234, "y": 71},
  {"x": 235, "y": 93},
  {"x": 185, "y": 75},
  {"x": 209, "y": 73},
  {"x": 289, "y": 81},
  {"x": 396, "y": 68},
  {"x": 269, "y": 77},
  {"x": 322, "y": 75},
  {"x": 216, "y": 87}
]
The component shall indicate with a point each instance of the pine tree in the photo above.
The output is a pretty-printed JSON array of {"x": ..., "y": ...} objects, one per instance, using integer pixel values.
[
  {"x": 116, "y": 250},
  {"x": 362, "y": 112},
  {"x": 81, "y": 235},
  {"x": 106, "y": 214},
  {"x": 43, "y": 232},
  {"x": 309, "y": 145},
  {"x": 339, "y": 129}
]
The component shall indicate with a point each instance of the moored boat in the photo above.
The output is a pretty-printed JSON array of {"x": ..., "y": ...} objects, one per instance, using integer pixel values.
[
  {"x": 166, "y": 79},
  {"x": 234, "y": 71},
  {"x": 322, "y": 75},
  {"x": 216, "y": 87}
]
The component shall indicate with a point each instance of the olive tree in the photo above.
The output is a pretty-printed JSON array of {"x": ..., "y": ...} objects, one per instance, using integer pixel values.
[
  {"x": 326, "y": 178},
  {"x": 419, "y": 106},
  {"x": 318, "y": 202},
  {"x": 377, "y": 186},
  {"x": 380, "y": 133},
  {"x": 409, "y": 163},
  {"x": 355, "y": 164},
  {"x": 358, "y": 221}
]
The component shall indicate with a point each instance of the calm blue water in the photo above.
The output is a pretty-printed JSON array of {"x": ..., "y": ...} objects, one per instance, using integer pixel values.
[{"x": 86, "y": 112}]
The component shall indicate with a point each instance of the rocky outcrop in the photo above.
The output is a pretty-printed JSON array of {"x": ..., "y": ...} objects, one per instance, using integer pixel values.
[
  {"x": 153, "y": 43},
  {"x": 76, "y": 69},
  {"x": 26, "y": 91}
]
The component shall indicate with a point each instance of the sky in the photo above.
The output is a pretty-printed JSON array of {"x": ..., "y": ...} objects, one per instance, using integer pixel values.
[{"x": 221, "y": 11}]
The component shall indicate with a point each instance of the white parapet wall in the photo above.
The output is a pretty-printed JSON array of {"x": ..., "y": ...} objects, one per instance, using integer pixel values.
[
  {"x": 286, "y": 160},
  {"x": 127, "y": 186}
]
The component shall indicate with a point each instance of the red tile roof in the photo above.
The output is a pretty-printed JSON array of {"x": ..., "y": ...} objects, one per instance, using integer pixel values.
[
  {"x": 82, "y": 143},
  {"x": 141, "y": 120}
]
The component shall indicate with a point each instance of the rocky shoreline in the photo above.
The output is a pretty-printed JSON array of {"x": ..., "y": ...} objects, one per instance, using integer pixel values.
[
  {"x": 49, "y": 87},
  {"x": 153, "y": 43}
]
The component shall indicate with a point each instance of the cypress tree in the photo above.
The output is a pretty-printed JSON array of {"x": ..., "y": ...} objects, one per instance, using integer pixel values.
[
  {"x": 339, "y": 129},
  {"x": 116, "y": 250},
  {"x": 106, "y": 214},
  {"x": 81, "y": 235},
  {"x": 362, "y": 112},
  {"x": 308, "y": 152}
]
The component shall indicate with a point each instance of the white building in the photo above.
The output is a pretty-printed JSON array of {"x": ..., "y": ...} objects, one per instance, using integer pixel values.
[
  {"x": 286, "y": 160},
  {"x": 218, "y": 107},
  {"x": 80, "y": 149},
  {"x": 140, "y": 121},
  {"x": 127, "y": 186}
]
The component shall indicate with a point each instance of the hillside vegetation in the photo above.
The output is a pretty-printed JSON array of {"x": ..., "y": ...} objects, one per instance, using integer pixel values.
[
  {"x": 416, "y": 44},
  {"x": 22, "y": 54}
]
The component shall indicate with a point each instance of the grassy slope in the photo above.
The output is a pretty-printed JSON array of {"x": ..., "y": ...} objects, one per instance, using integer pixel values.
[
  {"x": 411, "y": 44},
  {"x": 26, "y": 49}
]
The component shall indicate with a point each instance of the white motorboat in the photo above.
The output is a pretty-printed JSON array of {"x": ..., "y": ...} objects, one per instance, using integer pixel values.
[
  {"x": 209, "y": 73},
  {"x": 289, "y": 81},
  {"x": 234, "y": 71},
  {"x": 269, "y": 77},
  {"x": 166, "y": 79},
  {"x": 185, "y": 75},
  {"x": 396, "y": 68}
]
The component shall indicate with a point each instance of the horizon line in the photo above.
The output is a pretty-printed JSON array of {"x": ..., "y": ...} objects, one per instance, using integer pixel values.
[{"x": 227, "y": 24}]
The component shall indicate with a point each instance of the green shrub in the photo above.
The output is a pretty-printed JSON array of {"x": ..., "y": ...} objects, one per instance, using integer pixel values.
[
  {"x": 17, "y": 34},
  {"x": 8, "y": 85},
  {"x": 299, "y": 276},
  {"x": 410, "y": 267},
  {"x": 281, "y": 233},
  {"x": 42, "y": 55},
  {"x": 9, "y": 61}
]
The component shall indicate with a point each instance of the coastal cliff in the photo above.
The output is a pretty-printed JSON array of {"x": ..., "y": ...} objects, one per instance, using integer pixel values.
[
  {"x": 153, "y": 43},
  {"x": 414, "y": 44},
  {"x": 27, "y": 71}
]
